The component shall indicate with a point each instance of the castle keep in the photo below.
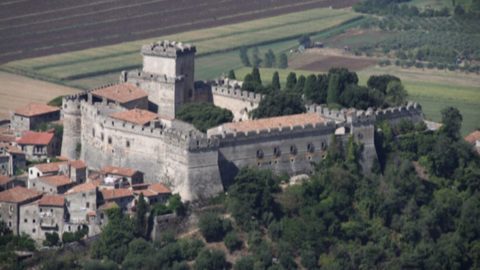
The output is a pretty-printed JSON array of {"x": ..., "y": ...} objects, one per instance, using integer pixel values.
[{"x": 132, "y": 124}]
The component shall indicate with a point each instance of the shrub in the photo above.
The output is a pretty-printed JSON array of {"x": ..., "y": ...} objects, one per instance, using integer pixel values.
[
  {"x": 52, "y": 239},
  {"x": 232, "y": 242},
  {"x": 210, "y": 260},
  {"x": 212, "y": 227}
]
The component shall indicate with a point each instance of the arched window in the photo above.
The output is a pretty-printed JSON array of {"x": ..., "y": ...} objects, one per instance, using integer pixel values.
[
  {"x": 293, "y": 150},
  {"x": 259, "y": 153},
  {"x": 310, "y": 147},
  {"x": 276, "y": 151}
]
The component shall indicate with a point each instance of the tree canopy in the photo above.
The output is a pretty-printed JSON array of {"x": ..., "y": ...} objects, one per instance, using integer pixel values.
[{"x": 204, "y": 115}]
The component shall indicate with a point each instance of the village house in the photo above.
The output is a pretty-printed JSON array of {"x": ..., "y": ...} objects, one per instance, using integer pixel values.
[
  {"x": 38, "y": 145},
  {"x": 126, "y": 94},
  {"x": 10, "y": 202},
  {"x": 474, "y": 139},
  {"x": 82, "y": 200},
  {"x": 123, "y": 197},
  {"x": 12, "y": 159},
  {"x": 152, "y": 193},
  {"x": 32, "y": 116},
  {"x": 53, "y": 184},
  {"x": 118, "y": 177},
  {"x": 8, "y": 182}
]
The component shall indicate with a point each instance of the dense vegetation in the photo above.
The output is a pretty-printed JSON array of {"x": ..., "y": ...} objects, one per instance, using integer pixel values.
[
  {"x": 204, "y": 115},
  {"x": 338, "y": 88},
  {"x": 426, "y": 38},
  {"x": 269, "y": 60},
  {"x": 10, "y": 243}
]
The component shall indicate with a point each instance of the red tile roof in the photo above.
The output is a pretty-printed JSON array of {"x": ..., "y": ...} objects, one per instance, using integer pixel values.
[
  {"x": 119, "y": 171},
  {"x": 34, "y": 109},
  {"x": 473, "y": 137},
  {"x": 83, "y": 187},
  {"x": 275, "y": 122},
  {"x": 136, "y": 116},
  {"x": 18, "y": 195},
  {"x": 36, "y": 138},
  {"x": 52, "y": 200},
  {"x": 56, "y": 180},
  {"x": 5, "y": 179},
  {"x": 7, "y": 138},
  {"x": 160, "y": 188},
  {"x": 146, "y": 192},
  {"x": 111, "y": 194},
  {"x": 49, "y": 167},
  {"x": 14, "y": 150},
  {"x": 78, "y": 164},
  {"x": 122, "y": 93}
]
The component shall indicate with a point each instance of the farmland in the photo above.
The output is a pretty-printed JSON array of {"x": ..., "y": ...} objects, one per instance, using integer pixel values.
[
  {"x": 434, "y": 90},
  {"x": 30, "y": 30},
  {"x": 17, "y": 91},
  {"x": 87, "y": 68}
]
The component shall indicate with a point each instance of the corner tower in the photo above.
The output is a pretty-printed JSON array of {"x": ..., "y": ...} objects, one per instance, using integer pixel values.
[{"x": 167, "y": 75}]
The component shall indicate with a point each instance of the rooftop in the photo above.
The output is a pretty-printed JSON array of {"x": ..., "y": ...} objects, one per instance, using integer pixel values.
[
  {"x": 160, "y": 188},
  {"x": 56, "y": 180},
  {"x": 275, "y": 122},
  {"x": 52, "y": 200},
  {"x": 35, "y": 109},
  {"x": 111, "y": 194},
  {"x": 18, "y": 195},
  {"x": 136, "y": 116},
  {"x": 119, "y": 171},
  {"x": 83, "y": 187},
  {"x": 36, "y": 138},
  {"x": 122, "y": 93},
  {"x": 49, "y": 167},
  {"x": 78, "y": 164},
  {"x": 473, "y": 137},
  {"x": 5, "y": 179}
]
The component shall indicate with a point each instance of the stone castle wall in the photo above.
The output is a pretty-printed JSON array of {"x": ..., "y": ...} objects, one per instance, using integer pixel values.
[
  {"x": 186, "y": 162},
  {"x": 239, "y": 102}
]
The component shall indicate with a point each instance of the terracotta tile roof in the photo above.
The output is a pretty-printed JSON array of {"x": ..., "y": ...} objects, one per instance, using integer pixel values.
[
  {"x": 34, "y": 109},
  {"x": 160, "y": 188},
  {"x": 78, "y": 164},
  {"x": 36, "y": 138},
  {"x": 52, "y": 200},
  {"x": 7, "y": 138},
  {"x": 14, "y": 150},
  {"x": 111, "y": 194},
  {"x": 5, "y": 179},
  {"x": 83, "y": 187},
  {"x": 119, "y": 171},
  {"x": 108, "y": 205},
  {"x": 18, "y": 195},
  {"x": 146, "y": 192},
  {"x": 56, "y": 180},
  {"x": 275, "y": 122},
  {"x": 136, "y": 116},
  {"x": 122, "y": 93},
  {"x": 49, "y": 167},
  {"x": 473, "y": 137}
]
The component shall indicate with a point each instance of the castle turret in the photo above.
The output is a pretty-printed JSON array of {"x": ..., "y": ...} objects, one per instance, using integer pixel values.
[{"x": 72, "y": 125}]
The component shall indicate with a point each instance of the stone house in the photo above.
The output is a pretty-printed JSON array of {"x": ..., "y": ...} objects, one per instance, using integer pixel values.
[
  {"x": 32, "y": 116},
  {"x": 38, "y": 145},
  {"x": 123, "y": 197},
  {"x": 8, "y": 182},
  {"x": 12, "y": 159},
  {"x": 80, "y": 201},
  {"x": 10, "y": 202},
  {"x": 126, "y": 94},
  {"x": 474, "y": 139},
  {"x": 153, "y": 193},
  {"x": 44, "y": 169},
  {"x": 76, "y": 170},
  {"x": 53, "y": 184},
  {"x": 121, "y": 177}
]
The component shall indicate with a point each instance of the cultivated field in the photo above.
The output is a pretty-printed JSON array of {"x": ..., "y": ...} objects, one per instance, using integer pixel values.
[
  {"x": 434, "y": 90},
  {"x": 17, "y": 91},
  {"x": 92, "y": 66},
  {"x": 30, "y": 29}
]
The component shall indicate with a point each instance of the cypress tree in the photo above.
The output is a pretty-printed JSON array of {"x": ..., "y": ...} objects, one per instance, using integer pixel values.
[
  {"x": 276, "y": 81},
  {"x": 231, "y": 75},
  {"x": 140, "y": 219},
  {"x": 244, "y": 57},
  {"x": 282, "y": 61},
  {"x": 256, "y": 75},
  {"x": 309, "y": 88},
  {"x": 332, "y": 94},
  {"x": 291, "y": 81},
  {"x": 300, "y": 84}
]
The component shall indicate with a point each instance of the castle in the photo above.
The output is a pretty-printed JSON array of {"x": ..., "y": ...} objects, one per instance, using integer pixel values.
[{"x": 132, "y": 124}]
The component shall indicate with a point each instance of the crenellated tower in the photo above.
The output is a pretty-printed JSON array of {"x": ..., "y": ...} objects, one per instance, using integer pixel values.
[{"x": 72, "y": 125}]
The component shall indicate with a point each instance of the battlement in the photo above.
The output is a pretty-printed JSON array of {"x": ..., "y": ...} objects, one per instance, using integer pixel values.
[
  {"x": 167, "y": 48},
  {"x": 337, "y": 115},
  {"x": 271, "y": 133},
  {"x": 192, "y": 140},
  {"x": 138, "y": 74},
  {"x": 411, "y": 109},
  {"x": 222, "y": 90}
]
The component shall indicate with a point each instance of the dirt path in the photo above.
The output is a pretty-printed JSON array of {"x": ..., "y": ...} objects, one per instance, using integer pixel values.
[{"x": 17, "y": 91}]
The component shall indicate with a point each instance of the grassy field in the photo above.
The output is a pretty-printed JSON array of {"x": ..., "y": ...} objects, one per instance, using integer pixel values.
[
  {"x": 432, "y": 93},
  {"x": 86, "y": 68}
]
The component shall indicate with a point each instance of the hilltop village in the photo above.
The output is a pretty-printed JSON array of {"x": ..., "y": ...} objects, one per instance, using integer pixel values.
[{"x": 123, "y": 141}]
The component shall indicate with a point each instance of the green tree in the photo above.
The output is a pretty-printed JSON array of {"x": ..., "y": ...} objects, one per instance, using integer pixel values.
[
  {"x": 204, "y": 115},
  {"x": 278, "y": 104},
  {"x": 305, "y": 40},
  {"x": 244, "y": 263},
  {"x": 276, "y": 81},
  {"x": 256, "y": 75},
  {"x": 380, "y": 82},
  {"x": 212, "y": 227},
  {"x": 51, "y": 239},
  {"x": 452, "y": 122},
  {"x": 232, "y": 242},
  {"x": 283, "y": 61},
  {"x": 396, "y": 94},
  {"x": 310, "y": 85},
  {"x": 244, "y": 57},
  {"x": 140, "y": 226},
  {"x": 300, "y": 84},
  {"x": 270, "y": 60},
  {"x": 256, "y": 60},
  {"x": 231, "y": 75},
  {"x": 333, "y": 89},
  {"x": 210, "y": 260},
  {"x": 291, "y": 81}
]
